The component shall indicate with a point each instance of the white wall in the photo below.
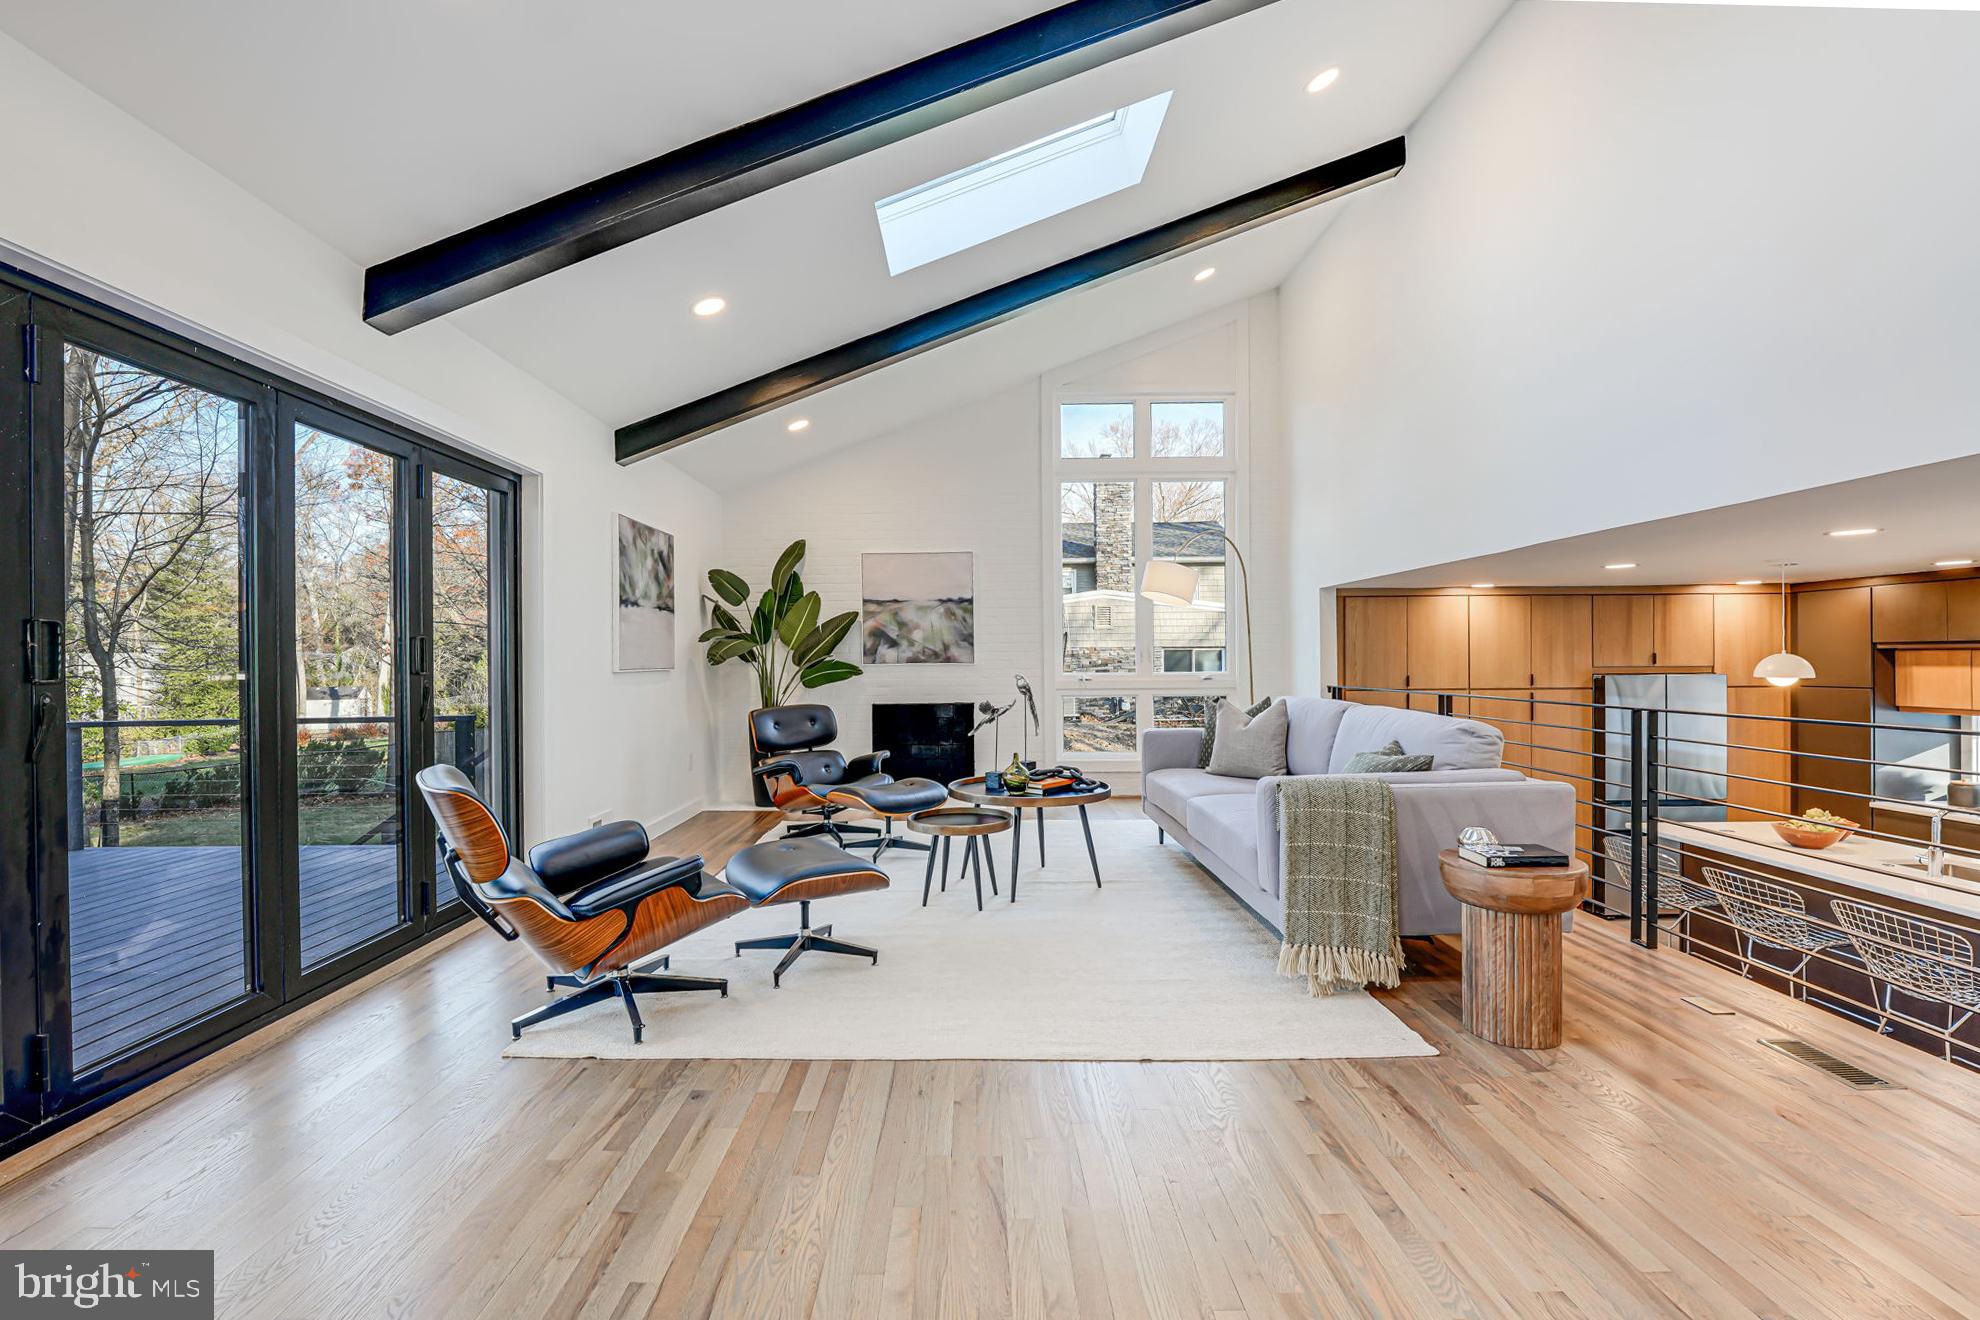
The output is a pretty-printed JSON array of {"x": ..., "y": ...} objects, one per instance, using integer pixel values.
[
  {"x": 92, "y": 192},
  {"x": 1643, "y": 260},
  {"x": 972, "y": 479}
]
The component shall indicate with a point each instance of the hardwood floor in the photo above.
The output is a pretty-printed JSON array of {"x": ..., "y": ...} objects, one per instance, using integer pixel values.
[{"x": 385, "y": 1161}]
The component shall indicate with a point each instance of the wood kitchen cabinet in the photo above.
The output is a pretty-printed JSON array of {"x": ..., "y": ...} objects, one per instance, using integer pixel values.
[
  {"x": 1564, "y": 744},
  {"x": 1501, "y": 644},
  {"x": 1683, "y": 631},
  {"x": 1625, "y": 632},
  {"x": 1562, "y": 641},
  {"x": 1745, "y": 631},
  {"x": 1909, "y": 612},
  {"x": 1375, "y": 647},
  {"x": 1757, "y": 751},
  {"x": 1963, "y": 610},
  {"x": 1832, "y": 633},
  {"x": 1439, "y": 644},
  {"x": 1935, "y": 680}
]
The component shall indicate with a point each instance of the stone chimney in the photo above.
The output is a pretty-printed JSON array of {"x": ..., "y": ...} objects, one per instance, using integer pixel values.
[{"x": 1113, "y": 536}]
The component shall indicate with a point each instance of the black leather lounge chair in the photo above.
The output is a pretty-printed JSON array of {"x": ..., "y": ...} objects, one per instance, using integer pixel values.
[
  {"x": 592, "y": 906},
  {"x": 804, "y": 775}
]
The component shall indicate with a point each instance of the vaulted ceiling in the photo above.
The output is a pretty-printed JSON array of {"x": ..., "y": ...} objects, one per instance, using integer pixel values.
[{"x": 382, "y": 125}]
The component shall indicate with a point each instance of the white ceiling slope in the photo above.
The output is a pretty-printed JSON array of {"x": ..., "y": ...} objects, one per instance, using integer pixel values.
[
  {"x": 382, "y": 124},
  {"x": 1924, "y": 514}
]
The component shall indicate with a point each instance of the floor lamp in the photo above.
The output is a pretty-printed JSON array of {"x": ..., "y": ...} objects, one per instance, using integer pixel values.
[{"x": 1171, "y": 582}]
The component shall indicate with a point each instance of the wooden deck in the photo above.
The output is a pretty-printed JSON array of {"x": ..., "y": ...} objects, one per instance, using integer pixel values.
[{"x": 157, "y": 935}]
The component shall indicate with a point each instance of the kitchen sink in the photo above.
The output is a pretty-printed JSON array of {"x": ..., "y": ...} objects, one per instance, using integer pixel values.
[{"x": 1955, "y": 869}]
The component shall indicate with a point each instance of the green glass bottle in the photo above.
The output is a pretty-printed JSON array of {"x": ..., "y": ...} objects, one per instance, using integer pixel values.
[{"x": 1016, "y": 777}]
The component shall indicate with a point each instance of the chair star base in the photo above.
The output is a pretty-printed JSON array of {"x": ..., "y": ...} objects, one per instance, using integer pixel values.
[
  {"x": 806, "y": 939},
  {"x": 624, "y": 984}
]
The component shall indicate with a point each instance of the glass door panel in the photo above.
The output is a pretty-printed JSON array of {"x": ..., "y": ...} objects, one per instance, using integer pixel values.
[
  {"x": 1189, "y": 529},
  {"x": 1097, "y": 577},
  {"x": 464, "y": 731},
  {"x": 350, "y": 805},
  {"x": 156, "y": 758}
]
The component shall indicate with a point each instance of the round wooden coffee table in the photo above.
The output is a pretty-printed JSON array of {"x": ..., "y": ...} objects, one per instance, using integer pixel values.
[
  {"x": 972, "y": 790},
  {"x": 1512, "y": 946},
  {"x": 971, "y": 823}
]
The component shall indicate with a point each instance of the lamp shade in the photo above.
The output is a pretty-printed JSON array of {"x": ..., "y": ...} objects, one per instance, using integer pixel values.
[
  {"x": 1784, "y": 669},
  {"x": 1167, "y": 582}
]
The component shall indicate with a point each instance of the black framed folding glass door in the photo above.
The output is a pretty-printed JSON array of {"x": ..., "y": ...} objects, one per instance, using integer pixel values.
[{"x": 151, "y": 755}]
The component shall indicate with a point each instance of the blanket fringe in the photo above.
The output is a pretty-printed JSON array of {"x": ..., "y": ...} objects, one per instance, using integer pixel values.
[{"x": 1328, "y": 968}]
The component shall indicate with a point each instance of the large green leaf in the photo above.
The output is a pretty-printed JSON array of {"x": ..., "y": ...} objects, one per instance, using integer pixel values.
[
  {"x": 800, "y": 619},
  {"x": 727, "y": 620},
  {"x": 763, "y": 623},
  {"x": 728, "y": 586},
  {"x": 729, "y": 648},
  {"x": 719, "y": 631},
  {"x": 824, "y": 639},
  {"x": 786, "y": 565},
  {"x": 820, "y": 672}
]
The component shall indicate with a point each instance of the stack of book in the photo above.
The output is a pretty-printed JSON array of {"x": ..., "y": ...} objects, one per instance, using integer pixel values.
[{"x": 1497, "y": 855}]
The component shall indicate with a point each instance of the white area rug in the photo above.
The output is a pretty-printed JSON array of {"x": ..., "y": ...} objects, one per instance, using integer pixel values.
[{"x": 1160, "y": 964}]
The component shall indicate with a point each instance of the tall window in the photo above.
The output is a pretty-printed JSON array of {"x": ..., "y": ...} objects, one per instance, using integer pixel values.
[{"x": 1139, "y": 477}]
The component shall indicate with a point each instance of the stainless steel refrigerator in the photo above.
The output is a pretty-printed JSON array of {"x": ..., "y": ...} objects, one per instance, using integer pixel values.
[{"x": 1690, "y": 757}]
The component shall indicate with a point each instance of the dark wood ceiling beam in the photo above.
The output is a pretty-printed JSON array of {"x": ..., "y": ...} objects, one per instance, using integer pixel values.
[
  {"x": 740, "y": 162},
  {"x": 979, "y": 311}
]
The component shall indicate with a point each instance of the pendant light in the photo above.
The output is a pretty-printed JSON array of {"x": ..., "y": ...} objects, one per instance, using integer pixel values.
[{"x": 1784, "y": 668}]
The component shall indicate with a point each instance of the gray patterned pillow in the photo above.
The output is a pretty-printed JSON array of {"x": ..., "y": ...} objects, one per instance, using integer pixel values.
[
  {"x": 1388, "y": 761},
  {"x": 1250, "y": 748},
  {"x": 1210, "y": 727}
]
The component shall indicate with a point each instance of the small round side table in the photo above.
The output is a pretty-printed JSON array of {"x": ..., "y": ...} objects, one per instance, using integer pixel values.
[
  {"x": 1512, "y": 946},
  {"x": 975, "y": 824}
]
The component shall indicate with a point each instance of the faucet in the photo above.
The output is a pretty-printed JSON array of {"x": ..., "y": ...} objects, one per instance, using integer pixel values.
[{"x": 1934, "y": 858}]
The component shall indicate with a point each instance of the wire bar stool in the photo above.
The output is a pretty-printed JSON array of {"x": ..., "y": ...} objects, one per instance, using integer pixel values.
[
  {"x": 1919, "y": 958},
  {"x": 1673, "y": 889},
  {"x": 1774, "y": 915}
]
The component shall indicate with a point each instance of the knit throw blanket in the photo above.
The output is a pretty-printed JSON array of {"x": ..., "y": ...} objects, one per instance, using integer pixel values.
[{"x": 1337, "y": 873}]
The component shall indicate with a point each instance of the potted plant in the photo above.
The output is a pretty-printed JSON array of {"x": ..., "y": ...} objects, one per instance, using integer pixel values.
[{"x": 784, "y": 640}]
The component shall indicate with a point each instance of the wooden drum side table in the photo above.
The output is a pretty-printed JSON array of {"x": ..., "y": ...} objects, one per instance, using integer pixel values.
[{"x": 1512, "y": 946}]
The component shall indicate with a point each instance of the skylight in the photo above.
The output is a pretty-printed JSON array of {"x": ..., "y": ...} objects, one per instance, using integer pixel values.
[{"x": 1019, "y": 187}]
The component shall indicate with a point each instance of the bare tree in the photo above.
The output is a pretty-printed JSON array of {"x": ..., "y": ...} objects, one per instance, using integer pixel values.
[{"x": 151, "y": 475}]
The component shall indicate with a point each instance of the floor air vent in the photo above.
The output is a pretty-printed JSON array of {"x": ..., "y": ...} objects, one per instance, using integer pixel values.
[{"x": 1840, "y": 1069}]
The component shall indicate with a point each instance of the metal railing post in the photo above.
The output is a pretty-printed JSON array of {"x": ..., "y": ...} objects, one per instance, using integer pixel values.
[
  {"x": 1650, "y": 860},
  {"x": 1639, "y": 790},
  {"x": 78, "y": 827}
]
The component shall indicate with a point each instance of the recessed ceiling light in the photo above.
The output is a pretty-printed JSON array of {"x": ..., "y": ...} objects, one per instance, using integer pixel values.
[
  {"x": 1324, "y": 79},
  {"x": 1482, "y": 586},
  {"x": 1856, "y": 531},
  {"x": 710, "y": 306},
  {"x": 1748, "y": 582},
  {"x": 1952, "y": 563},
  {"x": 798, "y": 424},
  {"x": 1616, "y": 566},
  {"x": 1205, "y": 274}
]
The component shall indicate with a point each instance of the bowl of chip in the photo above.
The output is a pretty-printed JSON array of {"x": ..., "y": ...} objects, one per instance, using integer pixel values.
[{"x": 1815, "y": 829}]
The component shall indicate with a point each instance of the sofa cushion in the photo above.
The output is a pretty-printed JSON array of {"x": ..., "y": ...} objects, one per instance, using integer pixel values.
[
  {"x": 1452, "y": 744},
  {"x": 1227, "y": 825},
  {"x": 1172, "y": 790},
  {"x": 1311, "y": 726},
  {"x": 1251, "y": 712},
  {"x": 1388, "y": 760},
  {"x": 1253, "y": 748}
]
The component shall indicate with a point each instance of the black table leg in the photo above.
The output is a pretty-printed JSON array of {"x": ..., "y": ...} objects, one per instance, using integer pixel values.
[
  {"x": 945, "y": 864},
  {"x": 1041, "y": 834},
  {"x": 993, "y": 865},
  {"x": 1017, "y": 848},
  {"x": 1091, "y": 856},
  {"x": 971, "y": 857},
  {"x": 928, "y": 881}
]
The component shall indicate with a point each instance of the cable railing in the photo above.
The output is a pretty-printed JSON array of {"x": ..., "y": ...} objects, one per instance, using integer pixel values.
[{"x": 1676, "y": 812}]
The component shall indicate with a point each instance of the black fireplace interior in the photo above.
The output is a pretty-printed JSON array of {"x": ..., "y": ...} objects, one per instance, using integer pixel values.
[{"x": 926, "y": 738}]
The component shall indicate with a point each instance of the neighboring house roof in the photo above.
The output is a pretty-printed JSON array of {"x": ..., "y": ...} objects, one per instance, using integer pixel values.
[{"x": 1170, "y": 537}]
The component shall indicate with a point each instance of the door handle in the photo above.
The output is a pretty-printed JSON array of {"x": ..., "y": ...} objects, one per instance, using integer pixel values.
[
  {"x": 42, "y": 640},
  {"x": 44, "y": 713}
]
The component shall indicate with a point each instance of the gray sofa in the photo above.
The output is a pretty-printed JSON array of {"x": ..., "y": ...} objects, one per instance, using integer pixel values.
[{"x": 1230, "y": 825}]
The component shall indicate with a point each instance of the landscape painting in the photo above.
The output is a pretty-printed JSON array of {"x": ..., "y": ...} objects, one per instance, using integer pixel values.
[
  {"x": 644, "y": 632},
  {"x": 919, "y": 608}
]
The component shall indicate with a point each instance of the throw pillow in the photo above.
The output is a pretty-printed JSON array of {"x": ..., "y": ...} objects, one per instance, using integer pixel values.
[
  {"x": 1250, "y": 748},
  {"x": 1387, "y": 761},
  {"x": 1210, "y": 727}
]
